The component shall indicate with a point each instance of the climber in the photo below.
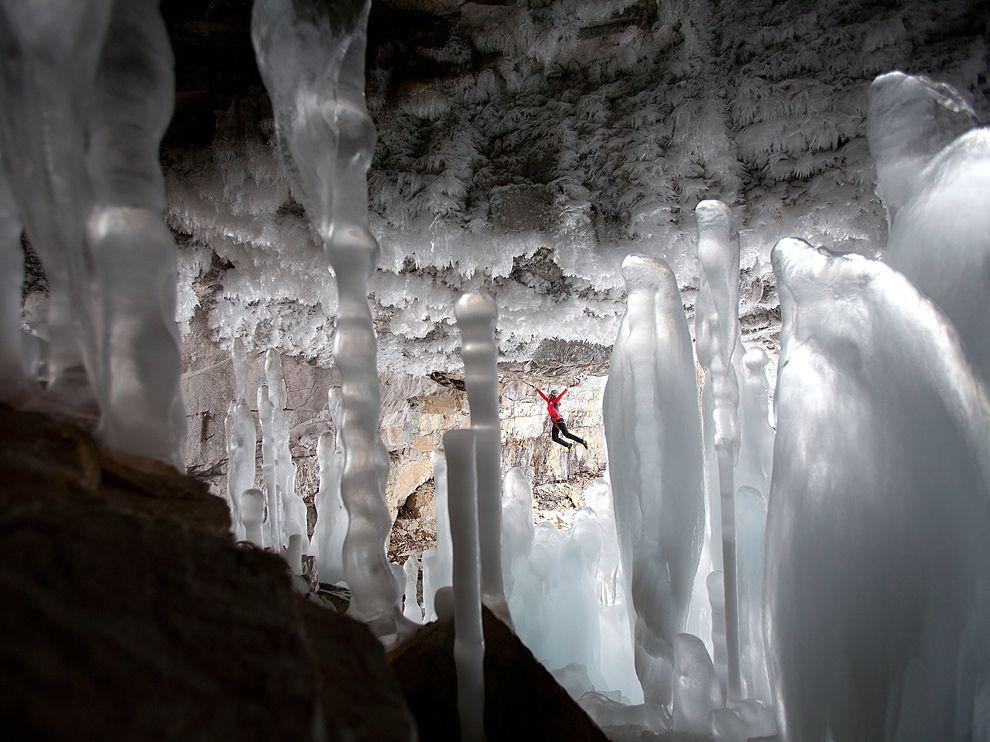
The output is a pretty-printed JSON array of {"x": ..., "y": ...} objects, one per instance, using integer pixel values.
[{"x": 559, "y": 427}]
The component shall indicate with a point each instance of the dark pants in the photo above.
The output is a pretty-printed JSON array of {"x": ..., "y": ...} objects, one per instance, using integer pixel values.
[{"x": 560, "y": 428}]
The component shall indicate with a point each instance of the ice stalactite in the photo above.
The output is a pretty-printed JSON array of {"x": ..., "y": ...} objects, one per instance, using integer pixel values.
[
  {"x": 655, "y": 464},
  {"x": 51, "y": 52},
  {"x": 717, "y": 309},
  {"x": 696, "y": 690},
  {"x": 438, "y": 561},
  {"x": 476, "y": 314},
  {"x": 411, "y": 608},
  {"x": 242, "y": 441},
  {"x": 940, "y": 172},
  {"x": 878, "y": 512},
  {"x": 14, "y": 379},
  {"x": 469, "y": 639},
  {"x": 311, "y": 59},
  {"x": 132, "y": 248},
  {"x": 331, "y": 515}
]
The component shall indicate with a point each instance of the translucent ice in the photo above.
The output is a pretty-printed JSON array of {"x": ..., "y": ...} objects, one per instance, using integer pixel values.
[
  {"x": 411, "y": 608},
  {"x": 311, "y": 59},
  {"x": 132, "y": 248},
  {"x": 269, "y": 463},
  {"x": 331, "y": 516},
  {"x": 756, "y": 435},
  {"x": 469, "y": 640},
  {"x": 655, "y": 463},
  {"x": 476, "y": 315},
  {"x": 742, "y": 721},
  {"x": 717, "y": 321},
  {"x": 608, "y": 712},
  {"x": 293, "y": 516},
  {"x": 878, "y": 512},
  {"x": 910, "y": 119},
  {"x": 438, "y": 561},
  {"x": 252, "y": 515},
  {"x": 51, "y": 51},
  {"x": 696, "y": 688},
  {"x": 940, "y": 240},
  {"x": 751, "y": 518}
]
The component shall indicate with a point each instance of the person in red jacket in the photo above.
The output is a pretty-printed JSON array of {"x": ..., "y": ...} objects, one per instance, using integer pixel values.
[{"x": 559, "y": 427}]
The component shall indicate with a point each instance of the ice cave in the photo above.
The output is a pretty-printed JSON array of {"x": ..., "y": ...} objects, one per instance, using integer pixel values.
[{"x": 428, "y": 370}]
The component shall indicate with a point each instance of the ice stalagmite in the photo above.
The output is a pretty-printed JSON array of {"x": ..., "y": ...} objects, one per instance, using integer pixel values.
[
  {"x": 879, "y": 511},
  {"x": 252, "y": 515},
  {"x": 751, "y": 519},
  {"x": 655, "y": 464},
  {"x": 13, "y": 377},
  {"x": 476, "y": 314},
  {"x": 331, "y": 516},
  {"x": 469, "y": 639},
  {"x": 438, "y": 561},
  {"x": 910, "y": 119},
  {"x": 940, "y": 235},
  {"x": 411, "y": 608},
  {"x": 718, "y": 311},
  {"x": 755, "y": 433},
  {"x": 269, "y": 465},
  {"x": 132, "y": 248},
  {"x": 696, "y": 688},
  {"x": 50, "y": 53},
  {"x": 242, "y": 441},
  {"x": 293, "y": 515},
  {"x": 311, "y": 58}
]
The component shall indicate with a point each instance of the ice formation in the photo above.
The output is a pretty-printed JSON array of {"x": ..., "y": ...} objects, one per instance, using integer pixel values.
[
  {"x": 411, "y": 608},
  {"x": 469, "y": 639},
  {"x": 476, "y": 316},
  {"x": 242, "y": 442},
  {"x": 131, "y": 247},
  {"x": 311, "y": 59},
  {"x": 879, "y": 510},
  {"x": 269, "y": 464},
  {"x": 52, "y": 53},
  {"x": 939, "y": 175},
  {"x": 252, "y": 514},
  {"x": 751, "y": 519},
  {"x": 655, "y": 464},
  {"x": 438, "y": 561},
  {"x": 717, "y": 332},
  {"x": 14, "y": 377},
  {"x": 696, "y": 687},
  {"x": 331, "y": 515}
]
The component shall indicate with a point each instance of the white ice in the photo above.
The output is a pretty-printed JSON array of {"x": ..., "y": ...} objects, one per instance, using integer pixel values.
[
  {"x": 411, "y": 608},
  {"x": 696, "y": 687},
  {"x": 655, "y": 463},
  {"x": 878, "y": 606},
  {"x": 331, "y": 516},
  {"x": 438, "y": 561},
  {"x": 242, "y": 442}
]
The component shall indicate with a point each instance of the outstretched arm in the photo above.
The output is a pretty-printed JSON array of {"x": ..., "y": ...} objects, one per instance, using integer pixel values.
[
  {"x": 545, "y": 397},
  {"x": 557, "y": 398}
]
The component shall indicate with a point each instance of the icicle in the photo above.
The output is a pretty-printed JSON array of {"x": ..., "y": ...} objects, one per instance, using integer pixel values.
[
  {"x": 311, "y": 58},
  {"x": 718, "y": 310},
  {"x": 655, "y": 462},
  {"x": 51, "y": 56},
  {"x": 469, "y": 640},
  {"x": 331, "y": 516},
  {"x": 411, "y": 608},
  {"x": 132, "y": 248},
  {"x": 476, "y": 314}
]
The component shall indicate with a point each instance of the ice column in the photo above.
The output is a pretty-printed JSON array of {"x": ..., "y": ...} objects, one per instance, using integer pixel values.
[
  {"x": 718, "y": 309},
  {"x": 269, "y": 463},
  {"x": 51, "y": 51},
  {"x": 438, "y": 562},
  {"x": 879, "y": 510},
  {"x": 242, "y": 441},
  {"x": 476, "y": 315},
  {"x": 756, "y": 435},
  {"x": 132, "y": 248},
  {"x": 940, "y": 235},
  {"x": 13, "y": 378},
  {"x": 311, "y": 58},
  {"x": 331, "y": 516},
  {"x": 469, "y": 639},
  {"x": 655, "y": 464},
  {"x": 411, "y": 608},
  {"x": 293, "y": 507},
  {"x": 751, "y": 518}
]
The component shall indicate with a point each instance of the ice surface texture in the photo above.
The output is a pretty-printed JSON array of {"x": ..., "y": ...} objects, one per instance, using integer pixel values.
[
  {"x": 696, "y": 687},
  {"x": 469, "y": 640},
  {"x": 476, "y": 316},
  {"x": 311, "y": 58},
  {"x": 655, "y": 463},
  {"x": 878, "y": 513}
]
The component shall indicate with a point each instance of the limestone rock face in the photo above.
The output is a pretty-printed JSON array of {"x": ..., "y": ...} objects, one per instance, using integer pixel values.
[{"x": 130, "y": 614}]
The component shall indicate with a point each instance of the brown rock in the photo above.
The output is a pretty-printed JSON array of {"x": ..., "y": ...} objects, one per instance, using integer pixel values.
[
  {"x": 522, "y": 700},
  {"x": 129, "y": 614}
]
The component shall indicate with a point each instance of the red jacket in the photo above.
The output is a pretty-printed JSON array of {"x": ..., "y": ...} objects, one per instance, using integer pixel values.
[{"x": 553, "y": 405}]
